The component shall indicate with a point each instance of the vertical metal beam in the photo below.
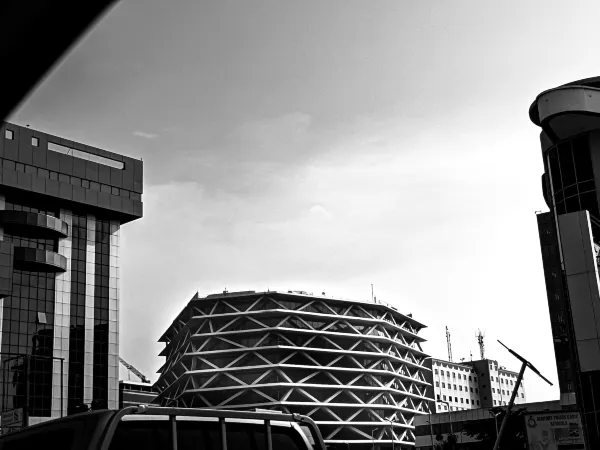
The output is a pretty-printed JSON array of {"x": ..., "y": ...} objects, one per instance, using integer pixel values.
[
  {"x": 269, "y": 440},
  {"x": 173, "y": 432},
  {"x": 223, "y": 433}
]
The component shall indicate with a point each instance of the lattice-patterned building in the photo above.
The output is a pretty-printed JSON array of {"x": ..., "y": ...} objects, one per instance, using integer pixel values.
[{"x": 354, "y": 367}]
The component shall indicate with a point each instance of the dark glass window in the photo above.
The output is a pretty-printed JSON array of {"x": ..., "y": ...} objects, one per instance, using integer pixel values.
[
  {"x": 554, "y": 170},
  {"x": 572, "y": 204},
  {"x": 9, "y": 134},
  {"x": 20, "y": 167},
  {"x": 43, "y": 173},
  {"x": 35, "y": 141},
  {"x": 567, "y": 167},
  {"x": 105, "y": 188},
  {"x": 94, "y": 186},
  {"x": 85, "y": 184},
  {"x": 64, "y": 178},
  {"x": 115, "y": 191},
  {"x": 53, "y": 176},
  {"x": 582, "y": 158}
]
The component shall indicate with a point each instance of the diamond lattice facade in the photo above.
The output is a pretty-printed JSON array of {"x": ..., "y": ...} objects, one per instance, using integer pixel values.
[{"x": 356, "y": 368}]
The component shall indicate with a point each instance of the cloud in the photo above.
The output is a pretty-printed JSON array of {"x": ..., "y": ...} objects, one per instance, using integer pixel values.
[{"x": 145, "y": 135}]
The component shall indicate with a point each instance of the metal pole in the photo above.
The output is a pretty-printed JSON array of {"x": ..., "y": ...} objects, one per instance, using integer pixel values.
[
  {"x": 430, "y": 430},
  {"x": 392, "y": 433},
  {"x": 373, "y": 437},
  {"x": 62, "y": 387},
  {"x": 510, "y": 404},
  {"x": 26, "y": 405}
]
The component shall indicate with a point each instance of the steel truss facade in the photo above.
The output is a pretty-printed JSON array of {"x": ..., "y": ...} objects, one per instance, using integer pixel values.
[{"x": 355, "y": 368}]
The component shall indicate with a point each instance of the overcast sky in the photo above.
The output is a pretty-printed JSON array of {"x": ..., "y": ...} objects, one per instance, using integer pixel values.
[{"x": 327, "y": 145}]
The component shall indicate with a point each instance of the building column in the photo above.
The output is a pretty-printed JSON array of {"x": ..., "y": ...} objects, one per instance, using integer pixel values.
[
  {"x": 2, "y": 208},
  {"x": 90, "y": 273},
  {"x": 62, "y": 321},
  {"x": 113, "y": 318}
]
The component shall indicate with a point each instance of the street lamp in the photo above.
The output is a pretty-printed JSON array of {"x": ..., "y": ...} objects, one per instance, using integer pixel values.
[
  {"x": 391, "y": 430},
  {"x": 495, "y": 420},
  {"x": 373, "y": 437}
]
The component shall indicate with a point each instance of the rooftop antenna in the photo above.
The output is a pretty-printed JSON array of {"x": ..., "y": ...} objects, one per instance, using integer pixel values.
[
  {"x": 372, "y": 297},
  {"x": 480, "y": 337},
  {"x": 471, "y": 353},
  {"x": 449, "y": 345}
]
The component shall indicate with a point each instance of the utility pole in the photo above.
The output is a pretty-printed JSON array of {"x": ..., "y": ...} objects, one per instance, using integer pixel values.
[
  {"x": 449, "y": 345},
  {"x": 524, "y": 365}
]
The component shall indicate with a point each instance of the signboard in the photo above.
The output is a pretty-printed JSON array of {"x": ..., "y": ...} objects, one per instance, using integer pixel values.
[{"x": 554, "y": 431}]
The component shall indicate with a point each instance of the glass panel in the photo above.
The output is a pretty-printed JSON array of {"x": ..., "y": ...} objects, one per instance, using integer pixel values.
[
  {"x": 572, "y": 204},
  {"x": 589, "y": 202},
  {"x": 567, "y": 167},
  {"x": 85, "y": 155},
  {"x": 583, "y": 160},
  {"x": 554, "y": 170}
]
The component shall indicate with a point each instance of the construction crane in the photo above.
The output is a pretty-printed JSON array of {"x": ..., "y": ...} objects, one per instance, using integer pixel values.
[{"x": 136, "y": 372}]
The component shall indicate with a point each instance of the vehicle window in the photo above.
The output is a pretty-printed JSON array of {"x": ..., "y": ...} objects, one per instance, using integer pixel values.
[
  {"x": 40, "y": 439},
  {"x": 147, "y": 435},
  {"x": 205, "y": 436},
  {"x": 192, "y": 435}
]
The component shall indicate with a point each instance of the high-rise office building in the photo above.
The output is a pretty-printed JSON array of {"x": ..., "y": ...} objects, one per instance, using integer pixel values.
[
  {"x": 569, "y": 117},
  {"x": 62, "y": 204},
  {"x": 472, "y": 385},
  {"x": 356, "y": 368}
]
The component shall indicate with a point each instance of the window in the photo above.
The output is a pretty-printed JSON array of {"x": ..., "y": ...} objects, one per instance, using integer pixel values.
[
  {"x": 35, "y": 141},
  {"x": 453, "y": 375},
  {"x": 503, "y": 392},
  {"x": 477, "y": 402},
  {"x": 438, "y": 397},
  {"x": 475, "y": 379},
  {"x": 436, "y": 371},
  {"x": 53, "y": 175},
  {"x": 492, "y": 378},
  {"x": 437, "y": 384},
  {"x": 454, "y": 387},
  {"x": 443, "y": 384},
  {"x": 522, "y": 395},
  {"x": 444, "y": 397},
  {"x": 484, "y": 386},
  {"x": 470, "y": 379},
  {"x": 476, "y": 391},
  {"x": 467, "y": 400},
  {"x": 493, "y": 390},
  {"x": 52, "y": 146},
  {"x": 459, "y": 377},
  {"x": 20, "y": 167},
  {"x": 9, "y": 134},
  {"x": 471, "y": 389},
  {"x": 495, "y": 403},
  {"x": 502, "y": 380},
  {"x": 485, "y": 397},
  {"x": 460, "y": 388},
  {"x": 447, "y": 373}
]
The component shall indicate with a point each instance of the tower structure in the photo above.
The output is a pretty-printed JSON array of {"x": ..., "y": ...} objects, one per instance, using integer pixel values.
[
  {"x": 449, "y": 344},
  {"x": 356, "y": 368},
  {"x": 481, "y": 344},
  {"x": 569, "y": 117},
  {"x": 62, "y": 204}
]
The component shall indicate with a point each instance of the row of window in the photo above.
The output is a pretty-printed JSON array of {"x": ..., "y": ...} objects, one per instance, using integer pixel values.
[
  {"x": 75, "y": 181},
  {"x": 460, "y": 377},
  {"x": 456, "y": 400},
  {"x": 453, "y": 386},
  {"x": 54, "y": 147}
]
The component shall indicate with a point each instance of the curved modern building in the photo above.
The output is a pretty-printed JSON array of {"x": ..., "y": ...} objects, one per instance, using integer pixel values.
[
  {"x": 356, "y": 368},
  {"x": 569, "y": 117}
]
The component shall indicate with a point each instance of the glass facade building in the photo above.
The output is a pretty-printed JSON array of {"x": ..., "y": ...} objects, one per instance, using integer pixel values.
[
  {"x": 569, "y": 117},
  {"x": 62, "y": 204}
]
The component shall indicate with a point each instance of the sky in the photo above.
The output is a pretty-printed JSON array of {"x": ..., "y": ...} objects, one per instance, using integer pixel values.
[{"x": 328, "y": 146}]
